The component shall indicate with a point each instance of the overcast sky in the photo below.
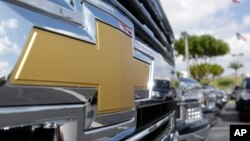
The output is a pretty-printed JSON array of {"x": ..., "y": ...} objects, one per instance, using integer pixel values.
[{"x": 220, "y": 18}]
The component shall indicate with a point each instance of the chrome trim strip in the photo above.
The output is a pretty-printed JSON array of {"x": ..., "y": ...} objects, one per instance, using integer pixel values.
[
  {"x": 89, "y": 22},
  {"x": 182, "y": 110},
  {"x": 144, "y": 53},
  {"x": 159, "y": 69},
  {"x": 173, "y": 136},
  {"x": 151, "y": 79},
  {"x": 144, "y": 48},
  {"x": 26, "y": 109},
  {"x": 157, "y": 61},
  {"x": 109, "y": 127},
  {"x": 140, "y": 55},
  {"x": 198, "y": 135},
  {"x": 167, "y": 132},
  {"x": 73, "y": 93},
  {"x": 119, "y": 131},
  {"x": 111, "y": 119},
  {"x": 142, "y": 100},
  {"x": 110, "y": 10},
  {"x": 19, "y": 96},
  {"x": 107, "y": 18},
  {"x": 55, "y": 9},
  {"x": 150, "y": 129},
  {"x": 168, "y": 135}
]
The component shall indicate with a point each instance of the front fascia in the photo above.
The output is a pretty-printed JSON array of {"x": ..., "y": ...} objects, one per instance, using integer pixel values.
[
  {"x": 47, "y": 64},
  {"x": 55, "y": 58}
]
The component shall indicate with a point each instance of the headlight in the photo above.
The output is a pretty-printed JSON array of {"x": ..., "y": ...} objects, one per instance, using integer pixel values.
[
  {"x": 156, "y": 94},
  {"x": 193, "y": 114}
]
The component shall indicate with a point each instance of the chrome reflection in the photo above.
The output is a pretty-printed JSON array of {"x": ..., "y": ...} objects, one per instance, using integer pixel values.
[
  {"x": 160, "y": 70},
  {"x": 109, "y": 119},
  {"x": 55, "y": 130},
  {"x": 70, "y": 10},
  {"x": 28, "y": 109},
  {"x": 15, "y": 28},
  {"x": 89, "y": 22},
  {"x": 153, "y": 127},
  {"x": 112, "y": 132}
]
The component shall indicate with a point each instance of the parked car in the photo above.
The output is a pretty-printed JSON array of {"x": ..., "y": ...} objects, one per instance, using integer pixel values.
[
  {"x": 219, "y": 96},
  {"x": 210, "y": 108},
  {"x": 191, "y": 123},
  {"x": 236, "y": 90},
  {"x": 243, "y": 100},
  {"x": 224, "y": 97}
]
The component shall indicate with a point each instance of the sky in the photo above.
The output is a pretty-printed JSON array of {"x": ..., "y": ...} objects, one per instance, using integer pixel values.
[{"x": 220, "y": 18}]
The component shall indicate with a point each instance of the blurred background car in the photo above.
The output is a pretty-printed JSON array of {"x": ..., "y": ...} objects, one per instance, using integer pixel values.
[
  {"x": 221, "y": 97},
  {"x": 243, "y": 100},
  {"x": 208, "y": 99},
  {"x": 210, "y": 109},
  {"x": 190, "y": 121},
  {"x": 236, "y": 90}
]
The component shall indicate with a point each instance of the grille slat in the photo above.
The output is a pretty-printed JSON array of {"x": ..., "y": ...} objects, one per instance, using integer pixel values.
[{"x": 151, "y": 24}]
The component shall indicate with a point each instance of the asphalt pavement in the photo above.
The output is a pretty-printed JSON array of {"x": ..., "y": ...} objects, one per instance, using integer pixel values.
[{"x": 228, "y": 116}]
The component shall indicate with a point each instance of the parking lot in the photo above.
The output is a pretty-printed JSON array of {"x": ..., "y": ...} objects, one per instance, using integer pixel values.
[{"x": 229, "y": 116}]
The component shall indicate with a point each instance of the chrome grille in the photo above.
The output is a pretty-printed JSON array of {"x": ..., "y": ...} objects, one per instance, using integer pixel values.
[{"x": 151, "y": 24}]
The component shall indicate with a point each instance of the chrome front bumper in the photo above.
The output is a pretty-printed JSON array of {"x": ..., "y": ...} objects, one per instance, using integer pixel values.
[
  {"x": 212, "y": 118},
  {"x": 196, "y": 136},
  {"x": 167, "y": 134}
]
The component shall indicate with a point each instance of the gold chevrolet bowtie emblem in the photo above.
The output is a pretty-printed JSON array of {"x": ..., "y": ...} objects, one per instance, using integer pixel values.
[{"x": 56, "y": 60}]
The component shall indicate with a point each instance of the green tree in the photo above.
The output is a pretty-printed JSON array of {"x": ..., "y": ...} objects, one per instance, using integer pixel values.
[
  {"x": 201, "y": 71},
  {"x": 202, "y": 48},
  {"x": 235, "y": 65},
  {"x": 224, "y": 82},
  {"x": 215, "y": 70}
]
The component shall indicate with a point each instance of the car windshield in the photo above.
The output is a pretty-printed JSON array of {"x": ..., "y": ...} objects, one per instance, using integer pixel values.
[
  {"x": 208, "y": 87},
  {"x": 190, "y": 82},
  {"x": 246, "y": 84}
]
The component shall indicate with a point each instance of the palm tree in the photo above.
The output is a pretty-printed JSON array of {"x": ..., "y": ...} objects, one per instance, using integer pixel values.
[{"x": 235, "y": 65}]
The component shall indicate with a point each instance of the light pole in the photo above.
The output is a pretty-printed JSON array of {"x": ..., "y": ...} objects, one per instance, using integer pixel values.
[{"x": 185, "y": 36}]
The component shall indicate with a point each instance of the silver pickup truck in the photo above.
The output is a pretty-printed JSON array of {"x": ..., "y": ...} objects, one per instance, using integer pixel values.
[{"x": 81, "y": 70}]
